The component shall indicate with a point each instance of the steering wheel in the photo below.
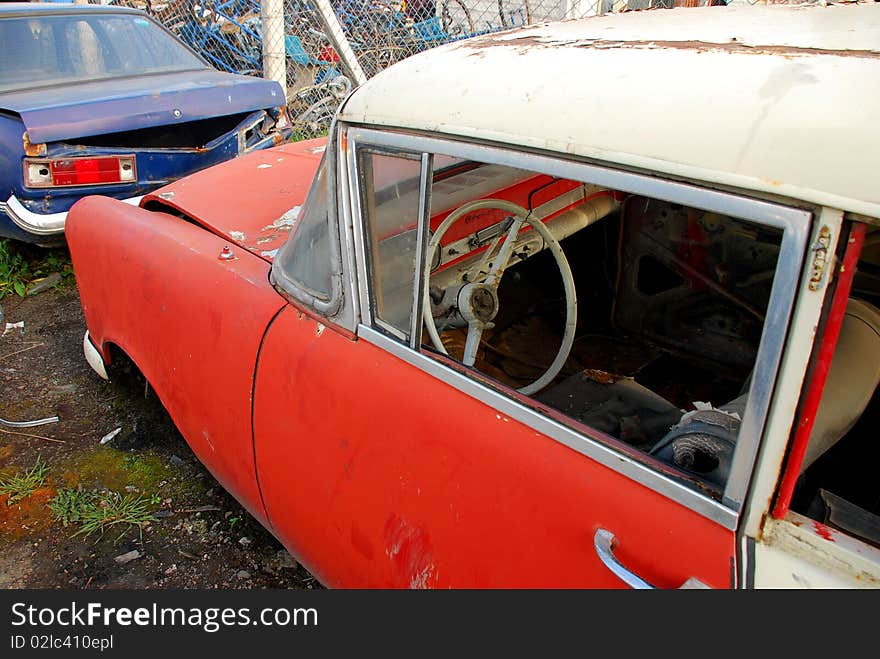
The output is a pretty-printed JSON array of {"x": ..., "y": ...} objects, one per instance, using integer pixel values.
[{"x": 478, "y": 298}]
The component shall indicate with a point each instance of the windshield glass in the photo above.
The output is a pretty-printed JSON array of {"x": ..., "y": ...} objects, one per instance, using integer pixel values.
[{"x": 37, "y": 51}]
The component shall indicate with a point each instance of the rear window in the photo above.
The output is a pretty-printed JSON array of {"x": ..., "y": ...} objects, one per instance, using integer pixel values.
[{"x": 36, "y": 51}]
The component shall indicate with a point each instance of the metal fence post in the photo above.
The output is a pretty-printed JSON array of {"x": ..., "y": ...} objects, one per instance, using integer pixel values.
[
  {"x": 337, "y": 37},
  {"x": 274, "y": 59}
]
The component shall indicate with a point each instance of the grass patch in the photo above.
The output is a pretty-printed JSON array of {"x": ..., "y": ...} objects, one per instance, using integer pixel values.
[
  {"x": 23, "y": 484},
  {"x": 111, "y": 469},
  {"x": 98, "y": 512},
  {"x": 22, "y": 264}
]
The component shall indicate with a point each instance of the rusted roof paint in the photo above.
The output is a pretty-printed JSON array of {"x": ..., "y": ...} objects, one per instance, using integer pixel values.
[{"x": 526, "y": 42}]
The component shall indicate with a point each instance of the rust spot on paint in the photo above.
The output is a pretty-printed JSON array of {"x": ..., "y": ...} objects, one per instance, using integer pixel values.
[
  {"x": 532, "y": 41},
  {"x": 31, "y": 149}
]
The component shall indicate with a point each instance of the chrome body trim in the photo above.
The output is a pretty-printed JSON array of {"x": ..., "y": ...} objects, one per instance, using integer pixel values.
[
  {"x": 39, "y": 224},
  {"x": 93, "y": 357}
]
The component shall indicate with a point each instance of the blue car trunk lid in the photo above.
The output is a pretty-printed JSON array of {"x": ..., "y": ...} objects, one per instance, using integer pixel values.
[{"x": 126, "y": 104}]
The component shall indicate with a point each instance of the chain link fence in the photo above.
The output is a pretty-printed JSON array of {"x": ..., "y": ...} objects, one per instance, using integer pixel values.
[{"x": 319, "y": 49}]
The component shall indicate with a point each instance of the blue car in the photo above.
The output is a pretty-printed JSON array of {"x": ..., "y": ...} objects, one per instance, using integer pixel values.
[{"x": 104, "y": 100}]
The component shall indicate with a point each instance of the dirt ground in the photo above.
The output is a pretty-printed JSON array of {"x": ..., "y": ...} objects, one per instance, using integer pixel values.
[{"x": 201, "y": 538}]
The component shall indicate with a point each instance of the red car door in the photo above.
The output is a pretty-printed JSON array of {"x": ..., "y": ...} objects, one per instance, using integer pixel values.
[{"x": 376, "y": 473}]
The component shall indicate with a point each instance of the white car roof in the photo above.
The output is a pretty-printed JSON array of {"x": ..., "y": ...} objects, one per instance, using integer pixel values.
[{"x": 777, "y": 99}]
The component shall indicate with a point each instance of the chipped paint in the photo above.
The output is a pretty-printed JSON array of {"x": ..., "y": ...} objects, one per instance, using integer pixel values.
[
  {"x": 210, "y": 197},
  {"x": 694, "y": 46},
  {"x": 823, "y": 531},
  {"x": 811, "y": 553},
  {"x": 409, "y": 549},
  {"x": 286, "y": 221},
  {"x": 263, "y": 166},
  {"x": 207, "y": 437},
  {"x": 319, "y": 330},
  {"x": 423, "y": 579}
]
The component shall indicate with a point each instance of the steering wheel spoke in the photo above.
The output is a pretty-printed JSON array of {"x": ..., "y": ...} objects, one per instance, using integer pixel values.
[
  {"x": 500, "y": 265},
  {"x": 472, "y": 343},
  {"x": 477, "y": 300}
]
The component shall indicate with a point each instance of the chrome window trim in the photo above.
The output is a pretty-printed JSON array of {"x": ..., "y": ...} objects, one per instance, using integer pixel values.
[
  {"x": 365, "y": 254},
  {"x": 390, "y": 329},
  {"x": 354, "y": 198},
  {"x": 324, "y": 306},
  {"x": 415, "y": 330},
  {"x": 349, "y": 315},
  {"x": 794, "y": 224},
  {"x": 583, "y": 444}
]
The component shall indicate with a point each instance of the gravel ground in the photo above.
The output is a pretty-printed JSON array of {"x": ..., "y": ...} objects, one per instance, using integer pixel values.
[{"x": 200, "y": 536}]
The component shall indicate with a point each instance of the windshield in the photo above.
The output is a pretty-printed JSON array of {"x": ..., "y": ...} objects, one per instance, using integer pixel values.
[{"x": 37, "y": 51}]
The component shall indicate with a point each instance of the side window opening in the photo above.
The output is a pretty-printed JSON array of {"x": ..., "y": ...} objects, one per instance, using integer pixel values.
[
  {"x": 837, "y": 484},
  {"x": 632, "y": 317}
]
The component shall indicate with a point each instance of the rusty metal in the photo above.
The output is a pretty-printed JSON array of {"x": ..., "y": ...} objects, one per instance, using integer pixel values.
[
  {"x": 31, "y": 149},
  {"x": 531, "y": 41},
  {"x": 820, "y": 258}
]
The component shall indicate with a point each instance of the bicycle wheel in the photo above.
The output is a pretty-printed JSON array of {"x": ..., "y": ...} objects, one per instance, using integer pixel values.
[
  {"x": 514, "y": 13},
  {"x": 455, "y": 19},
  {"x": 375, "y": 60},
  {"x": 317, "y": 117}
]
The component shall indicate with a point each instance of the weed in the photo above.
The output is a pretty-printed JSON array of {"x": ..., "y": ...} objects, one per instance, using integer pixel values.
[
  {"x": 67, "y": 505},
  {"x": 14, "y": 271},
  {"x": 23, "y": 484},
  {"x": 97, "y": 512},
  {"x": 21, "y": 264},
  {"x": 233, "y": 521}
]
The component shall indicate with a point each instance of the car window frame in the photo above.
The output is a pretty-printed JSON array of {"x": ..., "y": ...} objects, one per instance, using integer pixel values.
[
  {"x": 424, "y": 161},
  {"x": 794, "y": 223},
  {"x": 289, "y": 286}
]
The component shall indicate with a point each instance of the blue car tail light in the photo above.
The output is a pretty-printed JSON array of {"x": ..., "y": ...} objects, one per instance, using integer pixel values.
[{"x": 67, "y": 172}]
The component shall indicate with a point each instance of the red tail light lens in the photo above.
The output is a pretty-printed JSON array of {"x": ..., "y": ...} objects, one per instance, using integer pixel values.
[{"x": 66, "y": 172}]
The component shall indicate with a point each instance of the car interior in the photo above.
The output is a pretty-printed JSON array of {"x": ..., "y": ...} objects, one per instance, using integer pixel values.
[{"x": 632, "y": 319}]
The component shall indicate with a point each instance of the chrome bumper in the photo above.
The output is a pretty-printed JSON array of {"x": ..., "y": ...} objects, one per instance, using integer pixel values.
[
  {"x": 39, "y": 224},
  {"x": 93, "y": 357}
]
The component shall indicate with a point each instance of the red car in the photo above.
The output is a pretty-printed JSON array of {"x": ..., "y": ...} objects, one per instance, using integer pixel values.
[{"x": 583, "y": 304}]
